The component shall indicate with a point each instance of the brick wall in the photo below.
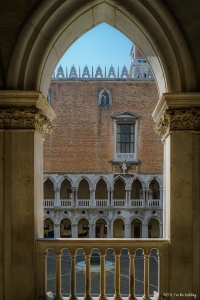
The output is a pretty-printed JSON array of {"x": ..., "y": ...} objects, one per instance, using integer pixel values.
[{"x": 83, "y": 135}]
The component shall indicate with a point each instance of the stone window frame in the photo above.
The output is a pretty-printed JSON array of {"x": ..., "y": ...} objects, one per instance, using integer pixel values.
[
  {"x": 100, "y": 95},
  {"x": 128, "y": 119}
]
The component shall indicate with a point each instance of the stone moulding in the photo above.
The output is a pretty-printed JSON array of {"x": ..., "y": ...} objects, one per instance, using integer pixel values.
[
  {"x": 178, "y": 119},
  {"x": 24, "y": 118}
]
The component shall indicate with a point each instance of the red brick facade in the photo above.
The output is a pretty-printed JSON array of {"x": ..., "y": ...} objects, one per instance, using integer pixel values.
[{"x": 83, "y": 135}]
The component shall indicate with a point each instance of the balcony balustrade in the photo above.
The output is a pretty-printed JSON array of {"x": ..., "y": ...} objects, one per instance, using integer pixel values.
[
  {"x": 104, "y": 203},
  {"x": 65, "y": 203},
  {"x": 42, "y": 246},
  {"x": 154, "y": 202},
  {"x": 136, "y": 202},
  {"x": 119, "y": 202},
  {"x": 83, "y": 202},
  {"x": 101, "y": 202},
  {"x": 48, "y": 202}
]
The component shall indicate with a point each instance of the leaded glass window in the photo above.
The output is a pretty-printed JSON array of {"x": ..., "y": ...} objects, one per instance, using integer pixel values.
[{"x": 125, "y": 138}]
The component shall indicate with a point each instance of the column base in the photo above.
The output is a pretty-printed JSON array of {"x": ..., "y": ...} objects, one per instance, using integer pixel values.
[
  {"x": 73, "y": 297},
  {"x": 58, "y": 297},
  {"x": 146, "y": 297},
  {"x": 131, "y": 297},
  {"x": 102, "y": 297},
  {"x": 117, "y": 297},
  {"x": 87, "y": 297}
]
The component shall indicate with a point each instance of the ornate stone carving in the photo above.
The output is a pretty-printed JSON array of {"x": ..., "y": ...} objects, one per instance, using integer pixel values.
[
  {"x": 24, "y": 118},
  {"x": 178, "y": 119}
]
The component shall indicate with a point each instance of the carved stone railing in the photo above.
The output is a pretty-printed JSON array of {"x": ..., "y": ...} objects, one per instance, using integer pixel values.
[
  {"x": 48, "y": 202},
  {"x": 154, "y": 202},
  {"x": 101, "y": 202},
  {"x": 42, "y": 246},
  {"x": 84, "y": 202},
  {"x": 136, "y": 202},
  {"x": 65, "y": 203},
  {"x": 119, "y": 202}
]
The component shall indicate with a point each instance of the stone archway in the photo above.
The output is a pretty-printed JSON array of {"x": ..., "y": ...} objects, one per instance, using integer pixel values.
[{"x": 52, "y": 28}]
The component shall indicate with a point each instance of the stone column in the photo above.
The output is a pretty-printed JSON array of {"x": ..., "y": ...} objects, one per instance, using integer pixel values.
[
  {"x": 74, "y": 230},
  {"x": 87, "y": 278},
  {"x": 127, "y": 198},
  {"x": 24, "y": 119},
  {"x": 160, "y": 230},
  {"x": 111, "y": 197},
  {"x": 131, "y": 277},
  {"x": 92, "y": 231},
  {"x": 92, "y": 198},
  {"x": 146, "y": 197},
  {"x": 161, "y": 197},
  {"x": 73, "y": 278},
  {"x": 102, "y": 295},
  {"x": 177, "y": 118},
  {"x": 109, "y": 200},
  {"x": 146, "y": 275},
  {"x": 144, "y": 230},
  {"x": 57, "y": 231},
  {"x": 74, "y": 197},
  {"x": 58, "y": 295},
  {"x": 117, "y": 295},
  {"x": 127, "y": 230},
  {"x": 57, "y": 196},
  {"x": 109, "y": 230}
]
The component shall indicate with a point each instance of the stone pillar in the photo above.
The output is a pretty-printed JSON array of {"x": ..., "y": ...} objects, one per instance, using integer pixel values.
[
  {"x": 92, "y": 198},
  {"x": 73, "y": 278},
  {"x": 24, "y": 119},
  {"x": 117, "y": 295},
  {"x": 74, "y": 230},
  {"x": 146, "y": 197},
  {"x": 144, "y": 230},
  {"x": 92, "y": 231},
  {"x": 160, "y": 230},
  {"x": 161, "y": 197},
  {"x": 127, "y": 230},
  {"x": 57, "y": 196},
  {"x": 111, "y": 197},
  {"x": 131, "y": 277},
  {"x": 73, "y": 197},
  {"x": 56, "y": 231},
  {"x": 109, "y": 230},
  {"x": 177, "y": 118},
  {"x": 127, "y": 198},
  {"x": 102, "y": 295},
  {"x": 58, "y": 295},
  {"x": 146, "y": 275},
  {"x": 109, "y": 200},
  {"x": 87, "y": 278}
]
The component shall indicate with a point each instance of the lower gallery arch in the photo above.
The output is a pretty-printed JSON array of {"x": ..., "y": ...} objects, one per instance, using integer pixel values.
[
  {"x": 118, "y": 228},
  {"x": 101, "y": 228},
  {"x": 136, "y": 228},
  {"x": 153, "y": 228},
  {"x": 48, "y": 228},
  {"x": 83, "y": 228},
  {"x": 65, "y": 228}
]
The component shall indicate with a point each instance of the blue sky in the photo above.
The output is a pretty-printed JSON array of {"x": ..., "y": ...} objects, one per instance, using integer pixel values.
[{"x": 101, "y": 46}]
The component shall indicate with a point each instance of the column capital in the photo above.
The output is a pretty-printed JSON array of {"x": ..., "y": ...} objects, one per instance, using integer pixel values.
[
  {"x": 25, "y": 110},
  {"x": 177, "y": 111}
]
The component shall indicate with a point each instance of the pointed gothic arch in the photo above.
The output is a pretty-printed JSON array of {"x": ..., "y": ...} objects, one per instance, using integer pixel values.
[{"x": 41, "y": 44}]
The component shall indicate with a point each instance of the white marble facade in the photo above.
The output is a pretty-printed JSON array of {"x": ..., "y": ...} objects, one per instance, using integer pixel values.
[{"x": 130, "y": 216}]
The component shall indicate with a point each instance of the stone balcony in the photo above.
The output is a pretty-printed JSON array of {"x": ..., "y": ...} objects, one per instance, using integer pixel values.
[{"x": 58, "y": 245}]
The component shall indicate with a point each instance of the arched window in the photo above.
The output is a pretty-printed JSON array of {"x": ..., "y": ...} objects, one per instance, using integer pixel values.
[{"x": 104, "y": 98}]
